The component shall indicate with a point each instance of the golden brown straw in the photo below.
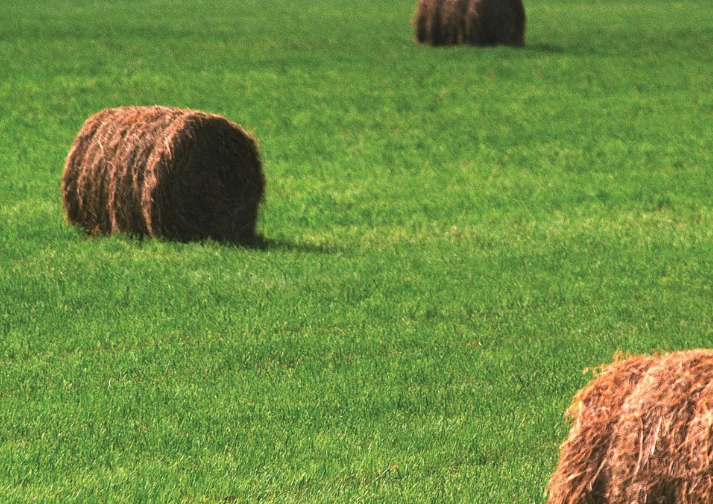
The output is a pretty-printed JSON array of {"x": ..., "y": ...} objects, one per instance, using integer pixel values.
[
  {"x": 474, "y": 22},
  {"x": 641, "y": 434},
  {"x": 165, "y": 172}
]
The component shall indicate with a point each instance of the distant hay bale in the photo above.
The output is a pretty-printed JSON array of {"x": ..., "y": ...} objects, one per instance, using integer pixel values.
[
  {"x": 163, "y": 172},
  {"x": 474, "y": 22},
  {"x": 642, "y": 433}
]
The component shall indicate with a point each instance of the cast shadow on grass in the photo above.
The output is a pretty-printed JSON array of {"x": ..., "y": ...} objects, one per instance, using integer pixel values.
[
  {"x": 270, "y": 244},
  {"x": 256, "y": 243},
  {"x": 545, "y": 48}
]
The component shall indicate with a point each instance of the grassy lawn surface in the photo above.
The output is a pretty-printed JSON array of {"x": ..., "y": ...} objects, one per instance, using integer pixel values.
[{"x": 451, "y": 236}]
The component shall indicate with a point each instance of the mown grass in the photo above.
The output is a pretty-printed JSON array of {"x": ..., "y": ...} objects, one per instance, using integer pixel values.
[{"x": 452, "y": 236}]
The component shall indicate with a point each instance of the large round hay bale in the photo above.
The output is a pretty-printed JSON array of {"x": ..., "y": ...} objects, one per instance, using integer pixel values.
[
  {"x": 475, "y": 22},
  {"x": 642, "y": 433},
  {"x": 492, "y": 22},
  {"x": 425, "y": 23},
  {"x": 164, "y": 172},
  {"x": 441, "y": 22}
]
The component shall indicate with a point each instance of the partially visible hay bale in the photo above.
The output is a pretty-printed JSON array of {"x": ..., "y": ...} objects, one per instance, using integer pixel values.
[
  {"x": 425, "y": 22},
  {"x": 595, "y": 410},
  {"x": 164, "y": 172},
  {"x": 475, "y": 22},
  {"x": 642, "y": 433}
]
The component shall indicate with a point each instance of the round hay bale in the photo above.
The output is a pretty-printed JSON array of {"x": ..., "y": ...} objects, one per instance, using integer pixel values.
[
  {"x": 493, "y": 22},
  {"x": 475, "y": 22},
  {"x": 453, "y": 29},
  {"x": 164, "y": 172},
  {"x": 426, "y": 11},
  {"x": 642, "y": 433}
]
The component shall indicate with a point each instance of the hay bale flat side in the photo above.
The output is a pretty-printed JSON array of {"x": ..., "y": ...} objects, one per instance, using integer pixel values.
[
  {"x": 163, "y": 172},
  {"x": 475, "y": 22},
  {"x": 493, "y": 22},
  {"x": 646, "y": 424}
]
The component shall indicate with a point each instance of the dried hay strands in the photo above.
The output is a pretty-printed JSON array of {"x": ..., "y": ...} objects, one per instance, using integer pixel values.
[
  {"x": 642, "y": 433},
  {"x": 164, "y": 172},
  {"x": 474, "y": 22}
]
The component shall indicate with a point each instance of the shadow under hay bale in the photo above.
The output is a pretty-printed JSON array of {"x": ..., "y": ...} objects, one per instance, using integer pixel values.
[
  {"x": 642, "y": 433},
  {"x": 163, "y": 172},
  {"x": 474, "y": 22}
]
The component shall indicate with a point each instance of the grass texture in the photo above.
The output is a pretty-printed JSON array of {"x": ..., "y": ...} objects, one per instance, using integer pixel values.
[{"x": 451, "y": 236}]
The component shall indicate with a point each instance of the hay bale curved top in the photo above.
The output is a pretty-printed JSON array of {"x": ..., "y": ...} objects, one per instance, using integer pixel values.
[
  {"x": 474, "y": 22},
  {"x": 643, "y": 432},
  {"x": 595, "y": 412},
  {"x": 165, "y": 172}
]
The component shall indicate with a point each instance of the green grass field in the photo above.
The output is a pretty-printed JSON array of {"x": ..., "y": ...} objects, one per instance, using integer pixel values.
[{"x": 452, "y": 236}]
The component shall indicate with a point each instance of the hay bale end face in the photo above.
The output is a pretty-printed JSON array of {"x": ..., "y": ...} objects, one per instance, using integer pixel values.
[
  {"x": 474, "y": 22},
  {"x": 164, "y": 172},
  {"x": 642, "y": 433}
]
